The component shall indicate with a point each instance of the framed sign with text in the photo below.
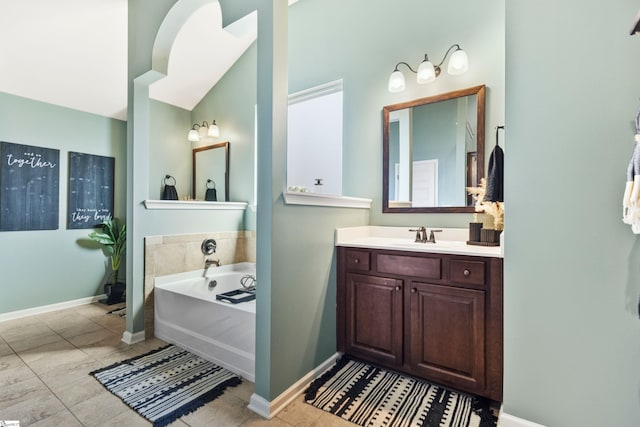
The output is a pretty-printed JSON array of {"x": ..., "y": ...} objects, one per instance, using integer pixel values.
[
  {"x": 29, "y": 184},
  {"x": 91, "y": 181}
]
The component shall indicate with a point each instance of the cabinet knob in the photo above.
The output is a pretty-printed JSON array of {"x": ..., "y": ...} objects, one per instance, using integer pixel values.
[
  {"x": 466, "y": 273},
  {"x": 397, "y": 288},
  {"x": 414, "y": 290},
  {"x": 356, "y": 261}
]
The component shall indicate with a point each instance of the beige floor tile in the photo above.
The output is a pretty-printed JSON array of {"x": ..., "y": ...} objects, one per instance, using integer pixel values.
[
  {"x": 10, "y": 325},
  {"x": 26, "y": 342},
  {"x": 61, "y": 419},
  {"x": 299, "y": 413},
  {"x": 80, "y": 328},
  {"x": 65, "y": 375},
  {"x": 127, "y": 419},
  {"x": 95, "y": 310},
  {"x": 48, "y": 383},
  {"x": 5, "y": 350},
  {"x": 28, "y": 401},
  {"x": 178, "y": 423},
  {"x": 113, "y": 323},
  {"x": 242, "y": 391},
  {"x": 59, "y": 320},
  {"x": 78, "y": 391},
  {"x": 225, "y": 411},
  {"x": 21, "y": 332},
  {"x": 89, "y": 338},
  {"x": 258, "y": 421},
  {"x": 12, "y": 371},
  {"x": 60, "y": 357},
  {"x": 98, "y": 409},
  {"x": 330, "y": 420}
]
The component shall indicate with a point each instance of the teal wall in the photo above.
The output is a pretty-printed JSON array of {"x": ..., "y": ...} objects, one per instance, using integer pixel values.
[
  {"x": 572, "y": 268},
  {"x": 232, "y": 103},
  {"x": 47, "y": 267},
  {"x": 363, "y": 43},
  {"x": 170, "y": 151}
]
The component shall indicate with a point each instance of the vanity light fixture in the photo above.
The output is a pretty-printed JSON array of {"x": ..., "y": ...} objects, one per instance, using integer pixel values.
[
  {"x": 200, "y": 131},
  {"x": 427, "y": 72}
]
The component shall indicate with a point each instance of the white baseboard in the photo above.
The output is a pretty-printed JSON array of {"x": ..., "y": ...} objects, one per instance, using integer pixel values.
[
  {"x": 506, "y": 420},
  {"x": 268, "y": 410},
  {"x": 48, "y": 308},
  {"x": 129, "y": 338}
]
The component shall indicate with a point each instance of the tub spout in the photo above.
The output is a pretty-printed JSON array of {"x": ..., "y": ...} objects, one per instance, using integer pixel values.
[{"x": 208, "y": 263}]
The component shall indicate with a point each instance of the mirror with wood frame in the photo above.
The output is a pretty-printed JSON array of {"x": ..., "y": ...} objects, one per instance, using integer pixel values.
[
  {"x": 211, "y": 172},
  {"x": 433, "y": 148}
]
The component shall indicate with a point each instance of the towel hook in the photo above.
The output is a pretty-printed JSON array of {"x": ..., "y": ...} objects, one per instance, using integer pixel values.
[{"x": 497, "y": 132}]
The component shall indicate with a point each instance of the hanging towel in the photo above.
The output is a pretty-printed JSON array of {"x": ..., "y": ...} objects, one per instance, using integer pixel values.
[
  {"x": 169, "y": 192},
  {"x": 495, "y": 181},
  {"x": 631, "y": 198}
]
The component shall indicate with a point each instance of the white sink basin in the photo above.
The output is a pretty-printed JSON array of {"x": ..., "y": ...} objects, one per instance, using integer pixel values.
[{"x": 443, "y": 244}]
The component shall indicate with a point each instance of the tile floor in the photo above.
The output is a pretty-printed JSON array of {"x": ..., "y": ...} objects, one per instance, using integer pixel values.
[{"x": 45, "y": 361}]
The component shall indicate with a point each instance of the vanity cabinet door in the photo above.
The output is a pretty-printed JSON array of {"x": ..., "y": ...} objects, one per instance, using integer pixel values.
[
  {"x": 374, "y": 318},
  {"x": 447, "y": 335}
]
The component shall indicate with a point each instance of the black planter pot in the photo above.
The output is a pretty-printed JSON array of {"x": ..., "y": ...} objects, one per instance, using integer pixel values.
[{"x": 114, "y": 292}]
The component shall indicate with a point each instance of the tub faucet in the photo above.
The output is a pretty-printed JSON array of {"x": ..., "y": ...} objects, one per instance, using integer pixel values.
[{"x": 208, "y": 263}]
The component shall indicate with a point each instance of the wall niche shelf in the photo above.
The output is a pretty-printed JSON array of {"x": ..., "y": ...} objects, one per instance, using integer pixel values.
[
  {"x": 315, "y": 199},
  {"x": 194, "y": 205}
]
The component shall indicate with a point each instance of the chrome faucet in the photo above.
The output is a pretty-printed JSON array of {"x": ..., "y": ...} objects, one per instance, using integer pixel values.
[{"x": 421, "y": 235}]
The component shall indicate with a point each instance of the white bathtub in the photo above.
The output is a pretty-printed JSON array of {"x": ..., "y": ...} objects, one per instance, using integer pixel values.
[{"x": 188, "y": 315}]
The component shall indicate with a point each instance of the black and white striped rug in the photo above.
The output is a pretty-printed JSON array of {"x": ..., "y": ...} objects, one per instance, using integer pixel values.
[
  {"x": 369, "y": 396},
  {"x": 166, "y": 383}
]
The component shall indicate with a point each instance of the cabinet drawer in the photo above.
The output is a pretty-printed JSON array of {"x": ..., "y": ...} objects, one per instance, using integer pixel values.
[
  {"x": 468, "y": 272},
  {"x": 358, "y": 260},
  {"x": 423, "y": 267}
]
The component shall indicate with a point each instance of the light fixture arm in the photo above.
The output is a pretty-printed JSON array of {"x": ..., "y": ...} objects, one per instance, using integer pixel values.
[
  {"x": 408, "y": 66},
  {"x": 457, "y": 46}
]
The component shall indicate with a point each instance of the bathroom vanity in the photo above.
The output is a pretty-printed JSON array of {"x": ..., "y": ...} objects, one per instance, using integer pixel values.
[{"x": 430, "y": 310}]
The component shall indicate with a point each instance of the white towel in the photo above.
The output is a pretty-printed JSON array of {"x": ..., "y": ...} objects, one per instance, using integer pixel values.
[{"x": 631, "y": 198}]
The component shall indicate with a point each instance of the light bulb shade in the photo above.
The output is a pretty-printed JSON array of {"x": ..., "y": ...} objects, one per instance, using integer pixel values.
[
  {"x": 193, "y": 136},
  {"x": 213, "y": 131},
  {"x": 426, "y": 72},
  {"x": 458, "y": 63},
  {"x": 396, "y": 82}
]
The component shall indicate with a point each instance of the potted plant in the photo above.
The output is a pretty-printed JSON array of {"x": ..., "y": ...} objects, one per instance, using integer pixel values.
[{"x": 114, "y": 240}]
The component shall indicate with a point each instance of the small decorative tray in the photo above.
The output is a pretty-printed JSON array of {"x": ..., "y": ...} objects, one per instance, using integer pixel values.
[{"x": 236, "y": 296}]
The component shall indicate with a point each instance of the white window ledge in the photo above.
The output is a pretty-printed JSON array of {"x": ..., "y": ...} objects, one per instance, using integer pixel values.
[
  {"x": 314, "y": 199},
  {"x": 193, "y": 204}
]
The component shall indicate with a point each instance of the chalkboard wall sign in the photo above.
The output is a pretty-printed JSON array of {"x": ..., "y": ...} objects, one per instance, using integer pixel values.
[
  {"x": 29, "y": 196},
  {"x": 91, "y": 181}
]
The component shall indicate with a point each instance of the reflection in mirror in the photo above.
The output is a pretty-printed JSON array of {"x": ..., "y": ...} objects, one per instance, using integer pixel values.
[
  {"x": 433, "y": 148},
  {"x": 211, "y": 162}
]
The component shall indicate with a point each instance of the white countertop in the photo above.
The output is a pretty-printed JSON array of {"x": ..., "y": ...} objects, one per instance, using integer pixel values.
[{"x": 449, "y": 241}]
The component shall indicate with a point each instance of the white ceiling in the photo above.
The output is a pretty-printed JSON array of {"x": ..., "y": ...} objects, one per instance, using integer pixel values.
[
  {"x": 73, "y": 53},
  {"x": 70, "y": 53}
]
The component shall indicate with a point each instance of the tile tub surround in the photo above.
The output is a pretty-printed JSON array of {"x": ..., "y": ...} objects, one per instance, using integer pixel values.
[{"x": 179, "y": 253}]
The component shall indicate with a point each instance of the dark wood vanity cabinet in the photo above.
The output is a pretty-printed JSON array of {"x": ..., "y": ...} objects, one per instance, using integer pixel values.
[{"x": 436, "y": 316}]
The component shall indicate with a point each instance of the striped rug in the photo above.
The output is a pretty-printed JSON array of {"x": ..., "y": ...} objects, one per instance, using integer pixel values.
[
  {"x": 166, "y": 383},
  {"x": 369, "y": 396}
]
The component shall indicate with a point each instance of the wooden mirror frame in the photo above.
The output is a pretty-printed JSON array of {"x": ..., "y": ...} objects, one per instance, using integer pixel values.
[
  {"x": 224, "y": 145},
  {"x": 479, "y": 91}
]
